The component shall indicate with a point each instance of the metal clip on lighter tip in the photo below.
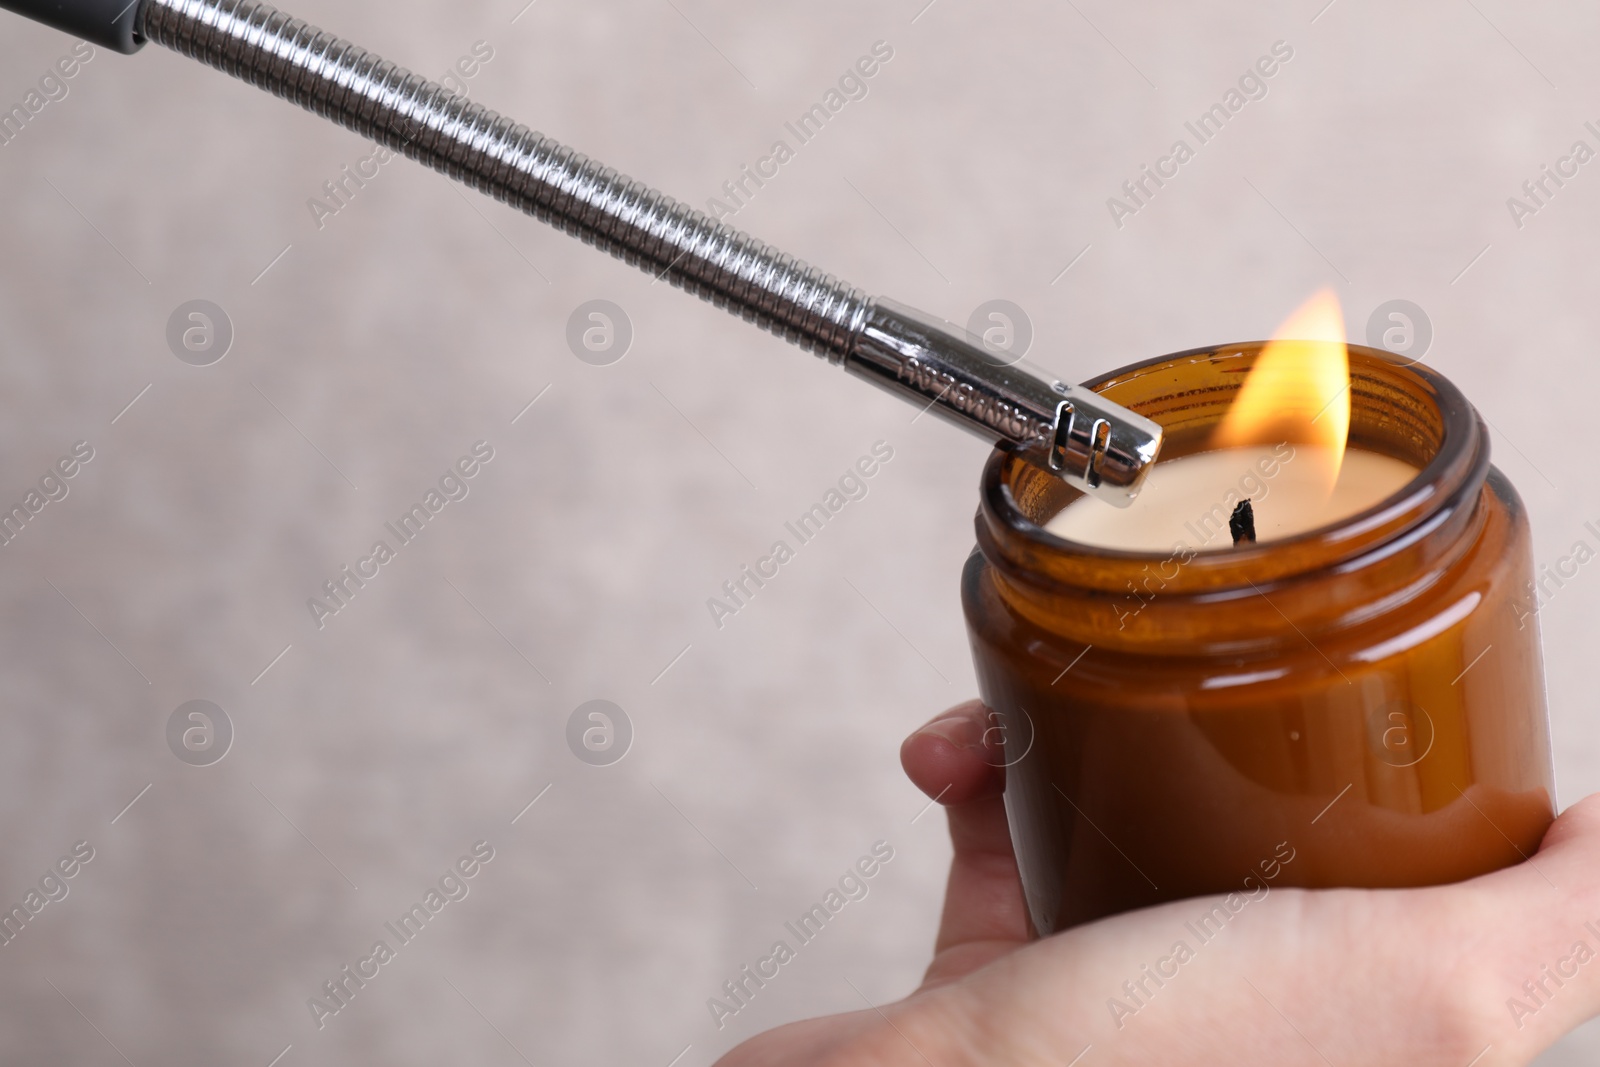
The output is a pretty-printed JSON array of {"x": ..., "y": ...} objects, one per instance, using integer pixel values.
[{"x": 1086, "y": 440}]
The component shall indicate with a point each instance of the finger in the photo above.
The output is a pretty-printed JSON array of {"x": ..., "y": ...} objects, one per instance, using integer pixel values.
[
  {"x": 1536, "y": 982},
  {"x": 984, "y": 914},
  {"x": 949, "y": 758},
  {"x": 1575, "y": 830},
  {"x": 1566, "y": 866}
]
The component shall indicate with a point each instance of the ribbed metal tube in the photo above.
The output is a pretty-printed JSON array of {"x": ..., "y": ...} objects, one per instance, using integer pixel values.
[
  {"x": 427, "y": 122},
  {"x": 1084, "y": 439}
]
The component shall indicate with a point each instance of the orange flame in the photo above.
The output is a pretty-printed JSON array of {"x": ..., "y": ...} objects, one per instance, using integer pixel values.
[{"x": 1299, "y": 389}]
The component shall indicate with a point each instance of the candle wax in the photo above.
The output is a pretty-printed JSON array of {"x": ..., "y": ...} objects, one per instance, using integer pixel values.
[{"x": 1185, "y": 503}]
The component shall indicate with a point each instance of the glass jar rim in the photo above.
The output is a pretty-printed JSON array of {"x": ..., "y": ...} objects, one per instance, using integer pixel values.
[{"x": 1402, "y": 407}]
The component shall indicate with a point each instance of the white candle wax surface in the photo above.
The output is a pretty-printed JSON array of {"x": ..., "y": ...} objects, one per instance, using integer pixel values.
[{"x": 1186, "y": 502}]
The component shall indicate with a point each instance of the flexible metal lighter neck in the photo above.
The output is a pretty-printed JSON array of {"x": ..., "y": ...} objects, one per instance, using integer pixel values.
[{"x": 1090, "y": 442}]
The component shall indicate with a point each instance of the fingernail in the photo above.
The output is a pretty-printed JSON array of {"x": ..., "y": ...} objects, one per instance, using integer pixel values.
[{"x": 959, "y": 730}]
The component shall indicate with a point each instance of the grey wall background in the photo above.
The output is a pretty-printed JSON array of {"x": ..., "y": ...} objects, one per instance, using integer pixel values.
[{"x": 371, "y": 353}]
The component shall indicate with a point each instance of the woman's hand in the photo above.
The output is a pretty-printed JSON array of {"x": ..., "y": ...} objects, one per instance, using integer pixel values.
[{"x": 1485, "y": 973}]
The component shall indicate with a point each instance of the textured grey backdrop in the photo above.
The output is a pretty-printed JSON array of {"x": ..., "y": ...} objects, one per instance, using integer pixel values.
[{"x": 372, "y": 351}]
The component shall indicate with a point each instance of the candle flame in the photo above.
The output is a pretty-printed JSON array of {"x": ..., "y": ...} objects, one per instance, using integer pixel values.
[{"x": 1299, "y": 389}]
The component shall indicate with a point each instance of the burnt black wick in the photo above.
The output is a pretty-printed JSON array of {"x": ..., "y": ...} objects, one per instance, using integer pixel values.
[{"x": 1242, "y": 523}]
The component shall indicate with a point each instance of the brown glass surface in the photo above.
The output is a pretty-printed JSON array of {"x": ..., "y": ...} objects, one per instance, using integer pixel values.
[{"x": 1228, "y": 698}]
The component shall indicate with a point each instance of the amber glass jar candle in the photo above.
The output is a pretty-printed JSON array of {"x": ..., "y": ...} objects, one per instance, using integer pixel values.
[{"x": 1365, "y": 696}]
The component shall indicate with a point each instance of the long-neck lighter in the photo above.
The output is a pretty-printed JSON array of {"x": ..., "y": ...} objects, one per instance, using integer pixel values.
[{"x": 1089, "y": 442}]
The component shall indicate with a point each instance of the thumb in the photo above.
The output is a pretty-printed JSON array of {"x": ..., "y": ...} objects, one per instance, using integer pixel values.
[
  {"x": 954, "y": 760},
  {"x": 1538, "y": 950}
]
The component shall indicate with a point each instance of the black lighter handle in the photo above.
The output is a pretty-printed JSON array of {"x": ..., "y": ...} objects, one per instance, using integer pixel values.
[{"x": 107, "y": 23}]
